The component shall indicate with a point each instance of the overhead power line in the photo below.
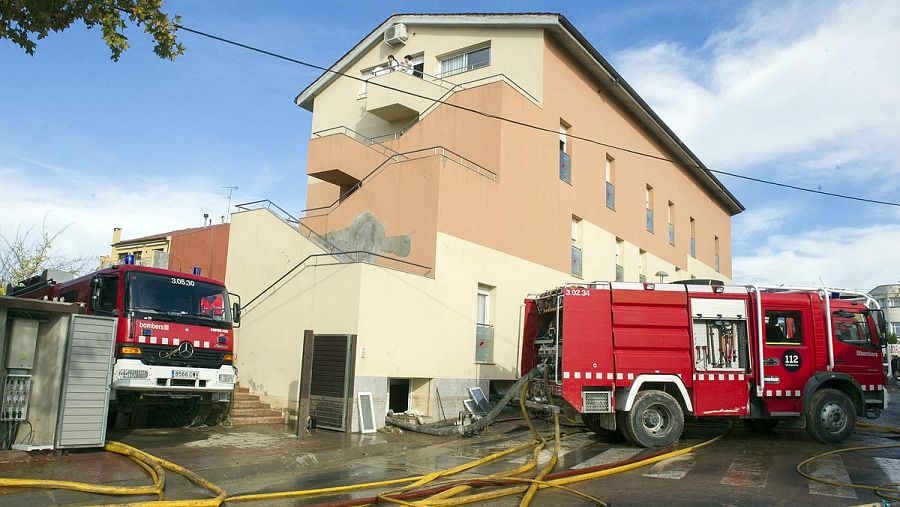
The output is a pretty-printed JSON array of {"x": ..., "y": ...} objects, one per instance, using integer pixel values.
[{"x": 530, "y": 125}]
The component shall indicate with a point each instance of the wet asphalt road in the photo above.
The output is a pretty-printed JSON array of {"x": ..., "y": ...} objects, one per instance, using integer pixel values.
[{"x": 742, "y": 469}]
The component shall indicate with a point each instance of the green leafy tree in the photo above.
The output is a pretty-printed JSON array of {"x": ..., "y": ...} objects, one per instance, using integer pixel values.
[
  {"x": 25, "y": 21},
  {"x": 30, "y": 251}
]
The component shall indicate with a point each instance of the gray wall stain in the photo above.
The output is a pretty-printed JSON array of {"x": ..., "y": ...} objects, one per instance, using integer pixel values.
[{"x": 367, "y": 233}]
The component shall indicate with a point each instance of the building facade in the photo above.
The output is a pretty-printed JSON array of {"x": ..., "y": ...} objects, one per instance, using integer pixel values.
[
  {"x": 888, "y": 296},
  {"x": 446, "y": 189},
  {"x": 182, "y": 250}
]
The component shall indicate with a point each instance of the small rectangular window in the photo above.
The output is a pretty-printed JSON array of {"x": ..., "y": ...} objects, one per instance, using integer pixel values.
[
  {"x": 107, "y": 295},
  {"x": 576, "y": 246},
  {"x": 783, "y": 328},
  {"x": 610, "y": 182},
  {"x": 469, "y": 60},
  {"x": 648, "y": 204},
  {"x": 620, "y": 260},
  {"x": 565, "y": 158},
  {"x": 484, "y": 330},
  {"x": 671, "y": 213},
  {"x": 717, "y": 253},
  {"x": 693, "y": 238},
  {"x": 642, "y": 276}
]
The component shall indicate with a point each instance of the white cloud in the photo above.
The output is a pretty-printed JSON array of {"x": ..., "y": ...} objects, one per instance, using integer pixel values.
[
  {"x": 808, "y": 80},
  {"x": 846, "y": 257},
  {"x": 759, "y": 220},
  {"x": 94, "y": 204}
]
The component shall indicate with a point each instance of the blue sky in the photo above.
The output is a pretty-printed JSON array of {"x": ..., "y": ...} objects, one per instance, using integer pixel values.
[{"x": 802, "y": 92}]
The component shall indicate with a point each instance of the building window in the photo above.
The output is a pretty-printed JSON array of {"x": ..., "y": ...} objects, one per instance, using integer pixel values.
[
  {"x": 565, "y": 158},
  {"x": 671, "y": 215},
  {"x": 893, "y": 303},
  {"x": 484, "y": 330},
  {"x": 895, "y": 328},
  {"x": 462, "y": 62},
  {"x": 648, "y": 205},
  {"x": 693, "y": 238},
  {"x": 717, "y": 253},
  {"x": 610, "y": 182},
  {"x": 620, "y": 260},
  {"x": 642, "y": 276},
  {"x": 576, "y": 246}
]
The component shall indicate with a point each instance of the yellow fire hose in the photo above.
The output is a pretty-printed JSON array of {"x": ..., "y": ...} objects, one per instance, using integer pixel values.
[{"x": 155, "y": 468}]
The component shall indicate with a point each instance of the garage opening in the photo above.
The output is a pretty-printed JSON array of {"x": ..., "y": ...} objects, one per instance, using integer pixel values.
[{"x": 399, "y": 395}]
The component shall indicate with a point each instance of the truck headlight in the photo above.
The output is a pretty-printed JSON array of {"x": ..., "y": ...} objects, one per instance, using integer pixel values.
[
  {"x": 226, "y": 378},
  {"x": 132, "y": 374}
]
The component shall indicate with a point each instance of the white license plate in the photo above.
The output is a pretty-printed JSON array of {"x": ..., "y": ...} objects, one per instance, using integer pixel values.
[{"x": 193, "y": 374}]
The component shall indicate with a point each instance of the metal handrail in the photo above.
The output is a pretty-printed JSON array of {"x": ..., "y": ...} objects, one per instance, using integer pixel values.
[
  {"x": 291, "y": 220},
  {"x": 358, "y": 137},
  {"x": 409, "y": 155},
  {"x": 347, "y": 253},
  {"x": 465, "y": 86}
]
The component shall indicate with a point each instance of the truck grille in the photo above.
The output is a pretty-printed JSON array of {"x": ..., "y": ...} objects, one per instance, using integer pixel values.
[
  {"x": 202, "y": 358},
  {"x": 597, "y": 401}
]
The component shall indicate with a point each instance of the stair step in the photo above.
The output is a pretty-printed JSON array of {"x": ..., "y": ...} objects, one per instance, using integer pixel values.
[
  {"x": 248, "y": 421},
  {"x": 255, "y": 403},
  {"x": 254, "y": 412},
  {"x": 246, "y": 397},
  {"x": 239, "y": 389}
]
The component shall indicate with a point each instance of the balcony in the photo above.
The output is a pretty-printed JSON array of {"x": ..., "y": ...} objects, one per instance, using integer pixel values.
[{"x": 384, "y": 101}]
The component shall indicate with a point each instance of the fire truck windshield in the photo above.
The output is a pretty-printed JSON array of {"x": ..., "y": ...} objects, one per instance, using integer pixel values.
[{"x": 176, "y": 299}]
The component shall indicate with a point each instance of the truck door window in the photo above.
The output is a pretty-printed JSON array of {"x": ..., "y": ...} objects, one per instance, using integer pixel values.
[
  {"x": 108, "y": 295},
  {"x": 852, "y": 328},
  {"x": 783, "y": 328}
]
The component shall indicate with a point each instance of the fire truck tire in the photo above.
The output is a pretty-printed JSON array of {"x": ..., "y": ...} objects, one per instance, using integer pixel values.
[
  {"x": 831, "y": 416},
  {"x": 655, "y": 420},
  {"x": 185, "y": 414}
]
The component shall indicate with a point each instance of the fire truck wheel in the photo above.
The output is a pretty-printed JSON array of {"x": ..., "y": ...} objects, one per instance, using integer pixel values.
[
  {"x": 184, "y": 413},
  {"x": 831, "y": 416},
  {"x": 655, "y": 420}
]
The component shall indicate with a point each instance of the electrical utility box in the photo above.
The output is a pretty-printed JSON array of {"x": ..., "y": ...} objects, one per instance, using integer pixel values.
[{"x": 55, "y": 371}]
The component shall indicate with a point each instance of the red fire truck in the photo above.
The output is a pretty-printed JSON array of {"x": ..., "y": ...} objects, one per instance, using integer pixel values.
[
  {"x": 174, "y": 344},
  {"x": 637, "y": 358}
]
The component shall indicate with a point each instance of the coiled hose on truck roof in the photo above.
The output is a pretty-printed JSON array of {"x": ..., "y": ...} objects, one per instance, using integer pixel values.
[{"x": 480, "y": 424}]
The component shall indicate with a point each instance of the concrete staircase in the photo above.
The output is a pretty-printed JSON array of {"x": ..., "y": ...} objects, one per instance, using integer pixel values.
[{"x": 248, "y": 410}]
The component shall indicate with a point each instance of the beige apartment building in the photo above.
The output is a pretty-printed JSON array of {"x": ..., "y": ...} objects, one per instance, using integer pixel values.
[{"x": 504, "y": 157}]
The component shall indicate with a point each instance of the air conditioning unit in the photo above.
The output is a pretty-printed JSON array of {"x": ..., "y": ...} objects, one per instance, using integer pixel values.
[{"x": 395, "y": 34}]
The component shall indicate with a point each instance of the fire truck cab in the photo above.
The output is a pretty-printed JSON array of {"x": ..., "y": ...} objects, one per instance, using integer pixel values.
[
  {"x": 174, "y": 339},
  {"x": 638, "y": 358}
]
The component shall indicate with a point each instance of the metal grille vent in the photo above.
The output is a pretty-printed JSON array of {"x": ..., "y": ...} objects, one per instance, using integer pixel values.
[{"x": 597, "y": 401}]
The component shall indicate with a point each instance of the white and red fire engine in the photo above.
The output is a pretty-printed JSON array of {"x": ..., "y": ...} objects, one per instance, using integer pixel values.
[
  {"x": 174, "y": 339},
  {"x": 637, "y": 358}
]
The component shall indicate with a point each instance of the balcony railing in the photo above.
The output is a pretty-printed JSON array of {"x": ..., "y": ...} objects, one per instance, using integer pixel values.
[
  {"x": 610, "y": 195},
  {"x": 576, "y": 261},
  {"x": 649, "y": 219},
  {"x": 565, "y": 167},
  {"x": 484, "y": 343}
]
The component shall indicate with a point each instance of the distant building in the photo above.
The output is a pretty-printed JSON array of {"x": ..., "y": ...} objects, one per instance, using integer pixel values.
[
  {"x": 427, "y": 224},
  {"x": 888, "y": 296},
  {"x": 181, "y": 250}
]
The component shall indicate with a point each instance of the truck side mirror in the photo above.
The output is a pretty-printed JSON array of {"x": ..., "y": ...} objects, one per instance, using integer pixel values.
[
  {"x": 95, "y": 292},
  {"x": 236, "y": 313}
]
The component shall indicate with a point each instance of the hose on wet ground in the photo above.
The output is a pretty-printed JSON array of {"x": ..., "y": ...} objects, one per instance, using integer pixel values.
[
  {"x": 889, "y": 491},
  {"x": 441, "y": 494}
]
